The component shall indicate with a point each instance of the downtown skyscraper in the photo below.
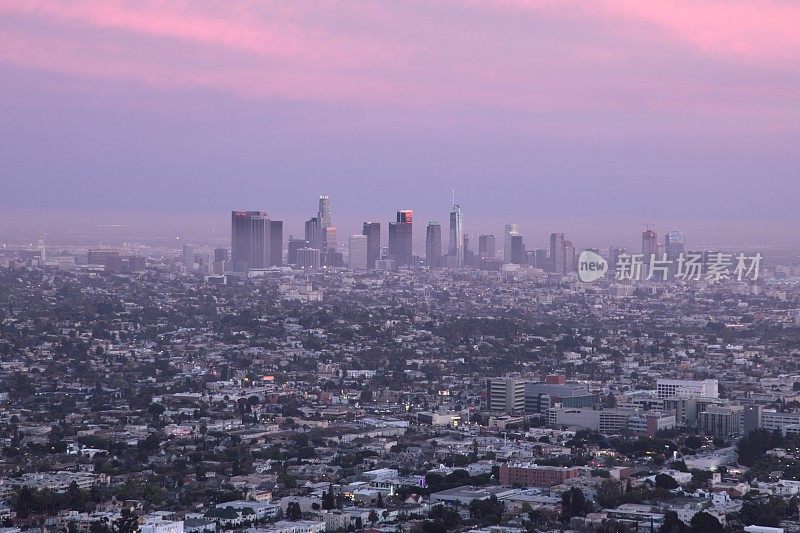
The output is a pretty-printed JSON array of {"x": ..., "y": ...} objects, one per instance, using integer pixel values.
[
  {"x": 319, "y": 230},
  {"x": 250, "y": 240},
  {"x": 433, "y": 244},
  {"x": 400, "y": 238},
  {"x": 372, "y": 230},
  {"x": 557, "y": 253},
  {"x": 674, "y": 245},
  {"x": 510, "y": 231},
  {"x": 456, "y": 248},
  {"x": 486, "y": 247}
]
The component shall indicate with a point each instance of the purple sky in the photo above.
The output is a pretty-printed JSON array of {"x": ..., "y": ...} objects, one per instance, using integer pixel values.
[{"x": 685, "y": 113}]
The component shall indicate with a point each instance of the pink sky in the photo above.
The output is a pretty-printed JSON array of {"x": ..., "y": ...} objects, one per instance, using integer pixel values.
[
  {"x": 514, "y": 53},
  {"x": 546, "y": 98}
]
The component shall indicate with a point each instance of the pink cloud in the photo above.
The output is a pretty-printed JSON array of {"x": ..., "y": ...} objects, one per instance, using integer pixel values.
[
  {"x": 437, "y": 57},
  {"x": 751, "y": 30}
]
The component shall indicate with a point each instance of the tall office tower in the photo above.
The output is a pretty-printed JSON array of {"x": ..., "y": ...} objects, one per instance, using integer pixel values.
[
  {"x": 511, "y": 230},
  {"x": 250, "y": 240},
  {"x": 293, "y": 246},
  {"x": 324, "y": 213},
  {"x": 673, "y": 245},
  {"x": 358, "y": 256},
  {"x": 400, "y": 235},
  {"x": 187, "y": 257},
  {"x": 221, "y": 260},
  {"x": 613, "y": 256},
  {"x": 372, "y": 230},
  {"x": 569, "y": 257},
  {"x": 433, "y": 244},
  {"x": 329, "y": 238},
  {"x": 325, "y": 222},
  {"x": 276, "y": 242},
  {"x": 456, "y": 248},
  {"x": 540, "y": 259},
  {"x": 41, "y": 248},
  {"x": 649, "y": 245},
  {"x": 486, "y": 247},
  {"x": 517, "y": 250},
  {"x": 309, "y": 258},
  {"x": 557, "y": 253},
  {"x": 469, "y": 255},
  {"x": 221, "y": 255},
  {"x": 313, "y": 235}
]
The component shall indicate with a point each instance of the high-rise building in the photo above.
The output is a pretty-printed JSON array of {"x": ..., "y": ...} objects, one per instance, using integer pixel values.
[
  {"x": 313, "y": 235},
  {"x": 324, "y": 213},
  {"x": 372, "y": 230},
  {"x": 221, "y": 255},
  {"x": 187, "y": 257},
  {"x": 649, "y": 245},
  {"x": 569, "y": 257},
  {"x": 331, "y": 258},
  {"x": 456, "y": 248},
  {"x": 222, "y": 259},
  {"x": 250, "y": 240},
  {"x": 357, "y": 255},
  {"x": 557, "y": 253},
  {"x": 613, "y": 257},
  {"x": 308, "y": 258},
  {"x": 673, "y": 245},
  {"x": 511, "y": 230},
  {"x": 540, "y": 259},
  {"x": 292, "y": 247},
  {"x": 469, "y": 255},
  {"x": 400, "y": 238},
  {"x": 327, "y": 238},
  {"x": 433, "y": 244},
  {"x": 276, "y": 242},
  {"x": 486, "y": 247},
  {"x": 517, "y": 250}
]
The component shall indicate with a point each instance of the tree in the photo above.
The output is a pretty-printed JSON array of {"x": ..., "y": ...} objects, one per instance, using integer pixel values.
[
  {"x": 100, "y": 526},
  {"x": 156, "y": 410},
  {"x": 379, "y": 503},
  {"x": 75, "y": 498},
  {"x": 665, "y": 481},
  {"x": 373, "y": 517},
  {"x": 328, "y": 501},
  {"x": 128, "y": 522},
  {"x": 293, "y": 511},
  {"x": 751, "y": 448},
  {"x": 673, "y": 524},
  {"x": 573, "y": 503},
  {"x": 489, "y": 510},
  {"x": 609, "y": 493},
  {"x": 767, "y": 513},
  {"x": 704, "y": 522}
]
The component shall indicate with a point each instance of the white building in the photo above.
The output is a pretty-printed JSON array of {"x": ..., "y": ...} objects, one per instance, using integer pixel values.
[
  {"x": 358, "y": 252},
  {"x": 505, "y": 394},
  {"x": 772, "y": 420},
  {"x": 285, "y": 526},
  {"x": 159, "y": 525},
  {"x": 683, "y": 388}
]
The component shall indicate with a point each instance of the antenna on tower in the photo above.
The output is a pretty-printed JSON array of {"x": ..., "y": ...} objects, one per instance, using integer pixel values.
[{"x": 454, "y": 196}]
